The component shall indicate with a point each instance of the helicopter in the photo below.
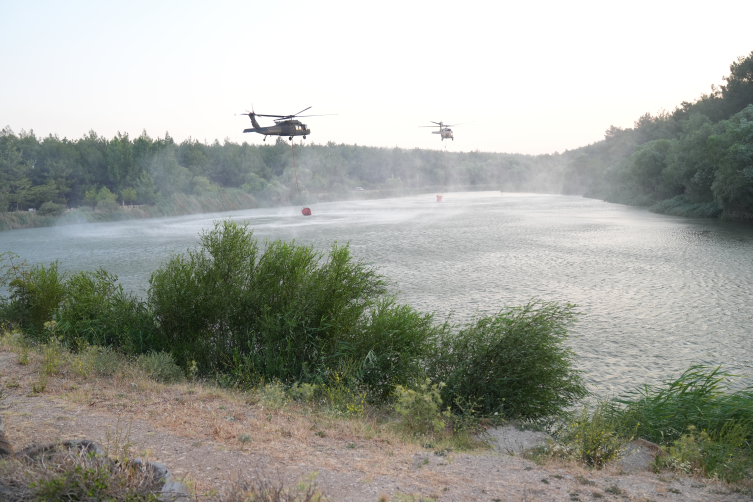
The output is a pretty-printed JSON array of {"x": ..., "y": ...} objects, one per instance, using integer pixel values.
[
  {"x": 444, "y": 130},
  {"x": 285, "y": 125}
]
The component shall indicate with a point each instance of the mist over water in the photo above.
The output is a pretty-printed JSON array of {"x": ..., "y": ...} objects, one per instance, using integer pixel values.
[{"x": 658, "y": 293}]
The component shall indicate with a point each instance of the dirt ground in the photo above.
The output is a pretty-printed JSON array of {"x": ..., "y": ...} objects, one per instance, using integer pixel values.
[{"x": 209, "y": 437}]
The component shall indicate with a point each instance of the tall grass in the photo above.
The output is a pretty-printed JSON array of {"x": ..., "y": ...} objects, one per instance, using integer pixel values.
[
  {"x": 705, "y": 426},
  {"x": 700, "y": 397}
]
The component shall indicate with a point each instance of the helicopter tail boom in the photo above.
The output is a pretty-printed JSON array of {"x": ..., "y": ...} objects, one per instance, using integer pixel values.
[{"x": 252, "y": 116}]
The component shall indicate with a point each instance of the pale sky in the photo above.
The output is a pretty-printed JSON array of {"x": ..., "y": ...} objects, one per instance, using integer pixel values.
[{"x": 530, "y": 77}]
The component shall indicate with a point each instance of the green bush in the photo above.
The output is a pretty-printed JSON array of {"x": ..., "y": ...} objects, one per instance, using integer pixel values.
[
  {"x": 105, "y": 361},
  {"x": 35, "y": 294},
  {"x": 717, "y": 455},
  {"x": 51, "y": 209},
  {"x": 515, "y": 363},
  {"x": 420, "y": 409},
  {"x": 284, "y": 313},
  {"x": 594, "y": 437},
  {"x": 97, "y": 311},
  {"x": 705, "y": 427},
  {"x": 161, "y": 367},
  {"x": 700, "y": 397}
]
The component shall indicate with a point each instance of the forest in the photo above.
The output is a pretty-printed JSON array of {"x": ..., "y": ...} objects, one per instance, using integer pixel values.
[{"x": 694, "y": 161}]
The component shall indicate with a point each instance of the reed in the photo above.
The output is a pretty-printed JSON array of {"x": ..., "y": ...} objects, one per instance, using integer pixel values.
[{"x": 704, "y": 424}]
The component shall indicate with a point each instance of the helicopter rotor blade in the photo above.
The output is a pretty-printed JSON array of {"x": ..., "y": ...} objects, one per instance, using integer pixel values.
[
  {"x": 300, "y": 112},
  {"x": 321, "y": 115}
]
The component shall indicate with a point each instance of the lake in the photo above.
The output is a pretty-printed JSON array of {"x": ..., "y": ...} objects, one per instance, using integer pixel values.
[{"x": 657, "y": 293}]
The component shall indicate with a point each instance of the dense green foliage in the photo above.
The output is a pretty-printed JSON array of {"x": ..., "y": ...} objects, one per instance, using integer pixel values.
[
  {"x": 102, "y": 173},
  {"x": 694, "y": 161},
  {"x": 702, "y": 150},
  {"x": 706, "y": 426},
  {"x": 283, "y": 312},
  {"x": 514, "y": 363},
  {"x": 700, "y": 397}
]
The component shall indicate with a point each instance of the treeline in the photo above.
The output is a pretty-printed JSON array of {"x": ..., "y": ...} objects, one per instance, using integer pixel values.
[
  {"x": 52, "y": 174},
  {"x": 694, "y": 161}
]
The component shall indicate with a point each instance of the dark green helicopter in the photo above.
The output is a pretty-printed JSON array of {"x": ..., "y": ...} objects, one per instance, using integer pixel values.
[{"x": 285, "y": 125}]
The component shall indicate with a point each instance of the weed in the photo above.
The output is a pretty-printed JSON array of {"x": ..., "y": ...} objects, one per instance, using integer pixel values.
[
  {"x": 704, "y": 426},
  {"x": 51, "y": 356},
  {"x": 244, "y": 438},
  {"x": 23, "y": 357},
  {"x": 117, "y": 442},
  {"x": 545, "y": 481},
  {"x": 72, "y": 474},
  {"x": 106, "y": 361},
  {"x": 420, "y": 409},
  {"x": 594, "y": 438},
  {"x": 719, "y": 455},
  {"x": 161, "y": 367},
  {"x": 40, "y": 385},
  {"x": 343, "y": 395},
  {"x": 303, "y": 392},
  {"x": 272, "y": 395},
  {"x": 614, "y": 490},
  {"x": 582, "y": 480}
]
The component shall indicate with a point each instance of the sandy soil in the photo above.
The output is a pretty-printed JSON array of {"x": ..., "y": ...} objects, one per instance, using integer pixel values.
[{"x": 195, "y": 431}]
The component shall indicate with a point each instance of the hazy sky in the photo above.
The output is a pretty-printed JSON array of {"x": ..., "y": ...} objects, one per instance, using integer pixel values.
[{"x": 531, "y": 77}]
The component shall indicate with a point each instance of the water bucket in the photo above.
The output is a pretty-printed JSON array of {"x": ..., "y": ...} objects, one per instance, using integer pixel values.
[
  {"x": 439, "y": 198},
  {"x": 306, "y": 211}
]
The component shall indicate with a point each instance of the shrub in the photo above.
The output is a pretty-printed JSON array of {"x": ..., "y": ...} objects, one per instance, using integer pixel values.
[
  {"x": 272, "y": 394},
  {"x": 71, "y": 474},
  {"x": 594, "y": 438},
  {"x": 420, "y": 409},
  {"x": 514, "y": 363},
  {"x": 700, "y": 453},
  {"x": 35, "y": 293},
  {"x": 161, "y": 367},
  {"x": 97, "y": 311},
  {"x": 51, "y": 209},
  {"x": 705, "y": 426},
  {"x": 286, "y": 313},
  {"x": 304, "y": 392},
  {"x": 106, "y": 361},
  {"x": 700, "y": 397}
]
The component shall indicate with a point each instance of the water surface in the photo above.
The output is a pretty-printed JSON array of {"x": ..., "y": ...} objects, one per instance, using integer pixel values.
[{"x": 658, "y": 293}]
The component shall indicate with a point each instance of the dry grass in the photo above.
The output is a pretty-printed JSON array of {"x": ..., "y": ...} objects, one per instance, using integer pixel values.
[
  {"x": 73, "y": 474},
  {"x": 200, "y": 410}
]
